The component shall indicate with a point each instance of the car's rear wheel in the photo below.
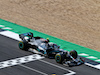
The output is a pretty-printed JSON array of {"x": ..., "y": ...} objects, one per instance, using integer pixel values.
[{"x": 59, "y": 58}]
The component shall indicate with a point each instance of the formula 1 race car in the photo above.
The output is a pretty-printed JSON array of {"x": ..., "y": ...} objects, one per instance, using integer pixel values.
[{"x": 48, "y": 49}]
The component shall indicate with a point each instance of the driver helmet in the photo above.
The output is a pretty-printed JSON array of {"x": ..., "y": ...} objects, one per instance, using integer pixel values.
[{"x": 48, "y": 39}]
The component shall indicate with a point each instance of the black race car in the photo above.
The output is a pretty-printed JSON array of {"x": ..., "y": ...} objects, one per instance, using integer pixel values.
[{"x": 51, "y": 50}]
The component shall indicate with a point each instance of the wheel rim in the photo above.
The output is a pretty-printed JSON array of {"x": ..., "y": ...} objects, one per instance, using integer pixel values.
[
  {"x": 21, "y": 45},
  {"x": 58, "y": 58}
]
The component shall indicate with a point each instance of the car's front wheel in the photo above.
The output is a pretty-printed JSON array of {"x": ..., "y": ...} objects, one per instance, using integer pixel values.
[
  {"x": 23, "y": 45},
  {"x": 74, "y": 54}
]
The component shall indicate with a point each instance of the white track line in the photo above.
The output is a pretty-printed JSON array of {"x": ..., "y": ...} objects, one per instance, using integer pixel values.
[
  {"x": 71, "y": 72},
  {"x": 97, "y": 66},
  {"x": 94, "y": 66},
  {"x": 2, "y": 26},
  {"x": 10, "y": 35},
  {"x": 83, "y": 54},
  {"x": 33, "y": 69},
  {"x": 91, "y": 57},
  {"x": 7, "y": 28},
  {"x": 98, "y": 60}
]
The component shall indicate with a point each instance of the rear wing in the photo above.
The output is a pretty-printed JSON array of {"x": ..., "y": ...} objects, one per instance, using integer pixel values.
[{"x": 29, "y": 34}]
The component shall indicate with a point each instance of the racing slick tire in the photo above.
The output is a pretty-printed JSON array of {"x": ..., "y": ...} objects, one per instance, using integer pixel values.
[
  {"x": 23, "y": 45},
  {"x": 73, "y": 53},
  {"x": 59, "y": 58}
]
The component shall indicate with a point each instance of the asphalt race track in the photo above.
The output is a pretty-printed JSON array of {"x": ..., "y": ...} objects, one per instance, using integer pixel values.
[{"x": 9, "y": 50}]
